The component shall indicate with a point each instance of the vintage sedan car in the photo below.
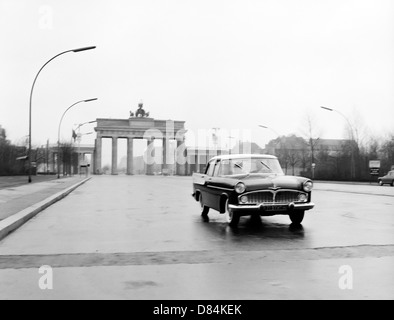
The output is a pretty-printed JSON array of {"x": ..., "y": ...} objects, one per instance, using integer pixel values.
[
  {"x": 245, "y": 184},
  {"x": 387, "y": 179}
]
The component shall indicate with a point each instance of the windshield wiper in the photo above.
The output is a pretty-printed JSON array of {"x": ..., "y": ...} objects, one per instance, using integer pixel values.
[
  {"x": 238, "y": 165},
  {"x": 265, "y": 165}
]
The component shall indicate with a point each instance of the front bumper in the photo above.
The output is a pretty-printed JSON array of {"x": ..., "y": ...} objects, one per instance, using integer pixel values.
[{"x": 272, "y": 207}]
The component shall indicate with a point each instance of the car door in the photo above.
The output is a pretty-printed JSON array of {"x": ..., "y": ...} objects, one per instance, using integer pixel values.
[
  {"x": 213, "y": 193},
  {"x": 387, "y": 178},
  {"x": 390, "y": 177},
  {"x": 224, "y": 181},
  {"x": 206, "y": 178}
]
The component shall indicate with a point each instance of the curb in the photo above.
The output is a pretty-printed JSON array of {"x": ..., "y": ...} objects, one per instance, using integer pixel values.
[
  {"x": 18, "y": 219},
  {"x": 349, "y": 182}
]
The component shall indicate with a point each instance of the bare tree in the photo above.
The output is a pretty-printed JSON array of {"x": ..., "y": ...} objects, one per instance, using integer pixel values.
[
  {"x": 66, "y": 157},
  {"x": 294, "y": 159},
  {"x": 387, "y": 151},
  {"x": 283, "y": 156}
]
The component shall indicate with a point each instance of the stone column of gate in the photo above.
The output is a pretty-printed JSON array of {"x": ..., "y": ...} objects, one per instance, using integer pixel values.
[
  {"x": 150, "y": 157},
  {"x": 181, "y": 158},
  {"x": 85, "y": 162},
  {"x": 197, "y": 161},
  {"x": 54, "y": 162},
  {"x": 94, "y": 159},
  {"x": 164, "y": 165},
  {"x": 80, "y": 159},
  {"x": 97, "y": 154},
  {"x": 114, "y": 165},
  {"x": 130, "y": 156}
]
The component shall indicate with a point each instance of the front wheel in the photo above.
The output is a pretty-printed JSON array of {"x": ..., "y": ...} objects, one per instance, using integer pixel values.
[
  {"x": 232, "y": 217},
  {"x": 296, "y": 217}
]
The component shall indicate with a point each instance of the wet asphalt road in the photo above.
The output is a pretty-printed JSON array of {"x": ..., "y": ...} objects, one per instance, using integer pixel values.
[{"x": 121, "y": 237}]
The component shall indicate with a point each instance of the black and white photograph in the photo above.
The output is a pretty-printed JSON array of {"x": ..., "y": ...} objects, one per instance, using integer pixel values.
[{"x": 199, "y": 155}]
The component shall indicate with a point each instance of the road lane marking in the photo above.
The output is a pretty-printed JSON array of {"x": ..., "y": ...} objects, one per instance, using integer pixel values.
[{"x": 191, "y": 257}]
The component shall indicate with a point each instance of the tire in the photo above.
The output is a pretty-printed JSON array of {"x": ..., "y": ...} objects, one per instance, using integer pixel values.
[
  {"x": 232, "y": 217},
  {"x": 296, "y": 217},
  {"x": 204, "y": 209},
  {"x": 392, "y": 183}
]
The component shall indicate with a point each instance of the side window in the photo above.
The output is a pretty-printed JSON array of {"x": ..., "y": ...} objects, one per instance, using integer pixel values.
[
  {"x": 225, "y": 168},
  {"x": 216, "y": 170},
  {"x": 210, "y": 167}
]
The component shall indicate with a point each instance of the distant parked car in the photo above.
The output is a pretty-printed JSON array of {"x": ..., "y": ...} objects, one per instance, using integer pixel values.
[
  {"x": 387, "y": 179},
  {"x": 239, "y": 185}
]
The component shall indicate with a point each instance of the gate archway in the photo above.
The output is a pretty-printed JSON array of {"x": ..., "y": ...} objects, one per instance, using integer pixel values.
[{"x": 140, "y": 127}]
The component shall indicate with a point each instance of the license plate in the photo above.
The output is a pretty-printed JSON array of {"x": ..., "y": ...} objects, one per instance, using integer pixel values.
[{"x": 275, "y": 208}]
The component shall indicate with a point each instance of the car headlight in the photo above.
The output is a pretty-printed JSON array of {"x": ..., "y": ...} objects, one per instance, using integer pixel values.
[
  {"x": 240, "y": 187},
  {"x": 302, "y": 197},
  {"x": 308, "y": 185},
  {"x": 244, "y": 199}
]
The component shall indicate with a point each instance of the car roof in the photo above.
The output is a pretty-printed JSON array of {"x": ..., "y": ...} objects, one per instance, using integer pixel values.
[{"x": 243, "y": 156}]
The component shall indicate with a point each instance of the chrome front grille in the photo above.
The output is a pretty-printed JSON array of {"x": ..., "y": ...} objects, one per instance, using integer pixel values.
[
  {"x": 274, "y": 197},
  {"x": 260, "y": 197},
  {"x": 286, "y": 196}
]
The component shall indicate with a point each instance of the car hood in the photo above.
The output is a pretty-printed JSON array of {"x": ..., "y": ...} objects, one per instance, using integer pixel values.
[{"x": 258, "y": 182}]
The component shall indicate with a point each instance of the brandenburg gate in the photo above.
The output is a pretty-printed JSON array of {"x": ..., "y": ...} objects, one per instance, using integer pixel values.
[{"x": 140, "y": 126}]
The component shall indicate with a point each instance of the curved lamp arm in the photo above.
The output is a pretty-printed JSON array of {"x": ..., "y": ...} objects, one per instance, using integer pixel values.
[
  {"x": 58, "y": 131},
  {"x": 347, "y": 120},
  {"x": 31, "y": 95}
]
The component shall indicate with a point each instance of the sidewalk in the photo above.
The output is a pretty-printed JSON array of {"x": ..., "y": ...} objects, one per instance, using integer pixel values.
[
  {"x": 16, "y": 181},
  {"x": 21, "y": 203}
]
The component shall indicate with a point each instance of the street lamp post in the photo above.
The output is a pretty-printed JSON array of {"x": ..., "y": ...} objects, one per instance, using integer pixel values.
[
  {"x": 58, "y": 132},
  {"x": 215, "y": 139},
  {"x": 79, "y": 135},
  {"x": 229, "y": 144},
  {"x": 277, "y": 134},
  {"x": 265, "y": 127},
  {"x": 348, "y": 122},
  {"x": 31, "y": 95},
  {"x": 81, "y": 124},
  {"x": 352, "y": 167}
]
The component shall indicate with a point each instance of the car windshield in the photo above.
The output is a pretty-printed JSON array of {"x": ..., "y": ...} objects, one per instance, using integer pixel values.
[{"x": 250, "y": 166}]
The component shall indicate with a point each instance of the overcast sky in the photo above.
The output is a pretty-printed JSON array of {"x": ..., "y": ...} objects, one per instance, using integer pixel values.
[{"x": 229, "y": 64}]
